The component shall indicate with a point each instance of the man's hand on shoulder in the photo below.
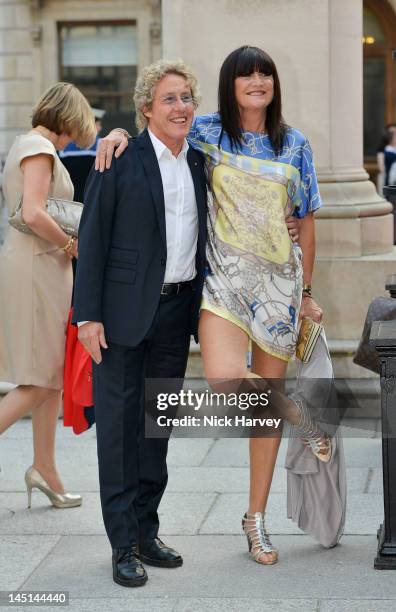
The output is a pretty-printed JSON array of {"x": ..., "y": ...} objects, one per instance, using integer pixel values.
[
  {"x": 117, "y": 139},
  {"x": 92, "y": 337},
  {"x": 293, "y": 227}
]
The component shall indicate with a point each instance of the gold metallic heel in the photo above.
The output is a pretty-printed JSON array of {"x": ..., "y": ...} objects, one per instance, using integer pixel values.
[
  {"x": 33, "y": 479},
  {"x": 29, "y": 492},
  {"x": 259, "y": 543},
  {"x": 320, "y": 446},
  {"x": 312, "y": 435}
]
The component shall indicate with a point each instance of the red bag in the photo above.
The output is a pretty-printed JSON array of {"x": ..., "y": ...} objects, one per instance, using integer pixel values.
[{"x": 77, "y": 386}]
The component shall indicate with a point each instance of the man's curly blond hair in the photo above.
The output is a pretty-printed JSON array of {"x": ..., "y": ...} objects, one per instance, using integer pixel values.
[{"x": 151, "y": 76}]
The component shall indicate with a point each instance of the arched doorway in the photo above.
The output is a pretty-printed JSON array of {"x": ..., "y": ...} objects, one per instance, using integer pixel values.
[{"x": 379, "y": 76}]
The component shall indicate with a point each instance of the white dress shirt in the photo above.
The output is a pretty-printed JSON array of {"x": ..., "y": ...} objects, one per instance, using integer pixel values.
[{"x": 181, "y": 215}]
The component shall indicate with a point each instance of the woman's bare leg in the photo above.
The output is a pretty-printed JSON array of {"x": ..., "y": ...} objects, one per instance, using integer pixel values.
[
  {"x": 223, "y": 347},
  {"x": 44, "y": 406},
  {"x": 44, "y": 420},
  {"x": 223, "y": 350},
  {"x": 263, "y": 451},
  {"x": 19, "y": 402}
]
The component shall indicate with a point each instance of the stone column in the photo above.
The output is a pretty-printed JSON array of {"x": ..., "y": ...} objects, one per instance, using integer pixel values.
[
  {"x": 16, "y": 69},
  {"x": 155, "y": 29},
  {"x": 355, "y": 221},
  {"x": 317, "y": 46},
  {"x": 355, "y": 227}
]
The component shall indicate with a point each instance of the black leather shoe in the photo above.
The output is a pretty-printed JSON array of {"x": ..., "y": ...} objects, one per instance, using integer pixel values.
[
  {"x": 155, "y": 552},
  {"x": 127, "y": 568}
]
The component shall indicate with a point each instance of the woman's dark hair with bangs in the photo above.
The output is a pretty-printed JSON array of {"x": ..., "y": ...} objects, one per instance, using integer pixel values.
[{"x": 242, "y": 62}]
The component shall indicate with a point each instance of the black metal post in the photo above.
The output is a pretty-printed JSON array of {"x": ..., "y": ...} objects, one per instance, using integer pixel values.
[
  {"x": 390, "y": 194},
  {"x": 383, "y": 338},
  {"x": 391, "y": 285}
]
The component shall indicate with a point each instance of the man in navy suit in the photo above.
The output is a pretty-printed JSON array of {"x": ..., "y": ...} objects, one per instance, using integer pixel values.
[{"x": 137, "y": 295}]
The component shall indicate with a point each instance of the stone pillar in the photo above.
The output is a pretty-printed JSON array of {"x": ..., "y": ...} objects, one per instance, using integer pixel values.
[
  {"x": 16, "y": 69},
  {"x": 355, "y": 221},
  {"x": 317, "y": 46},
  {"x": 155, "y": 30},
  {"x": 355, "y": 227}
]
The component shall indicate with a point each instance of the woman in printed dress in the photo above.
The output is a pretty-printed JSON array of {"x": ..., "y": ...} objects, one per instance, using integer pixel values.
[{"x": 260, "y": 171}]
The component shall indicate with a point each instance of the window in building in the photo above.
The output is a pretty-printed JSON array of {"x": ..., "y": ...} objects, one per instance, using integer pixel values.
[
  {"x": 373, "y": 32},
  {"x": 379, "y": 72},
  {"x": 374, "y": 103},
  {"x": 101, "y": 60}
]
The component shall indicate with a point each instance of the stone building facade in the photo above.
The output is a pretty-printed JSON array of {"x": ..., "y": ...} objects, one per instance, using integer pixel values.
[
  {"x": 317, "y": 45},
  {"x": 84, "y": 41}
]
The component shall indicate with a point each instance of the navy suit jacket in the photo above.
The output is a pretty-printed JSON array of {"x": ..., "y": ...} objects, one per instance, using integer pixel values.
[{"x": 122, "y": 244}]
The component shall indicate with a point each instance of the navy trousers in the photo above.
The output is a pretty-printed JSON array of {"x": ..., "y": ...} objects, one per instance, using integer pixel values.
[{"x": 132, "y": 469}]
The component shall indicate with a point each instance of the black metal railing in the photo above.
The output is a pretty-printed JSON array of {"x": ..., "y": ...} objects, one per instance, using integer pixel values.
[
  {"x": 383, "y": 338},
  {"x": 390, "y": 194}
]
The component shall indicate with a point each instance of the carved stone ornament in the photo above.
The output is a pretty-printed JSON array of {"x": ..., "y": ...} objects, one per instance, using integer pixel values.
[
  {"x": 36, "y": 34},
  {"x": 389, "y": 384},
  {"x": 155, "y": 32},
  {"x": 35, "y": 4}
]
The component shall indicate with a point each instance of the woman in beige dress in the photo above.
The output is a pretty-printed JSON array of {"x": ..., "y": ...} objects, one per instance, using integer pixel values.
[{"x": 36, "y": 279}]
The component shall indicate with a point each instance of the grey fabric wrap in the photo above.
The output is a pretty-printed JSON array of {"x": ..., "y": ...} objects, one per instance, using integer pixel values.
[{"x": 316, "y": 491}]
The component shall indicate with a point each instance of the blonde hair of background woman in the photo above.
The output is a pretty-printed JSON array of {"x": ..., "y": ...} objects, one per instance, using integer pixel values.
[{"x": 64, "y": 109}]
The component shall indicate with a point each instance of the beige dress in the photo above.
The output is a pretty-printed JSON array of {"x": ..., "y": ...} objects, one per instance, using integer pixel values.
[{"x": 35, "y": 282}]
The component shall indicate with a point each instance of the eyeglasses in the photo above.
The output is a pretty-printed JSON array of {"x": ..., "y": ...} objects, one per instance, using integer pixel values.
[{"x": 173, "y": 100}]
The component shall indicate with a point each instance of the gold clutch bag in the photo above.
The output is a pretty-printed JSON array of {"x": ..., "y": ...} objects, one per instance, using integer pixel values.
[{"x": 307, "y": 338}]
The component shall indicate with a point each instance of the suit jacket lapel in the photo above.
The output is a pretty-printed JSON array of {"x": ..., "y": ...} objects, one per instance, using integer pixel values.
[
  {"x": 200, "y": 194},
  {"x": 154, "y": 179},
  {"x": 153, "y": 174}
]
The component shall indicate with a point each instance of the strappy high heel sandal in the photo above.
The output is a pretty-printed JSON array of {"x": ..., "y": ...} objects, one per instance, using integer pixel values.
[
  {"x": 259, "y": 543},
  {"x": 312, "y": 435}
]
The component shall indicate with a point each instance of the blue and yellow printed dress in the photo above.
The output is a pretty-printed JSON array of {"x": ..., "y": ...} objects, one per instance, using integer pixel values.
[{"x": 254, "y": 272}]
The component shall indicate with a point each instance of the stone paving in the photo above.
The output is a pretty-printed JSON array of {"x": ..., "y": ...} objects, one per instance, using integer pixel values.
[{"x": 49, "y": 549}]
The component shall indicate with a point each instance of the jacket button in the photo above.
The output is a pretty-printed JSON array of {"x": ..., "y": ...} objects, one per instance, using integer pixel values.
[{"x": 163, "y": 262}]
